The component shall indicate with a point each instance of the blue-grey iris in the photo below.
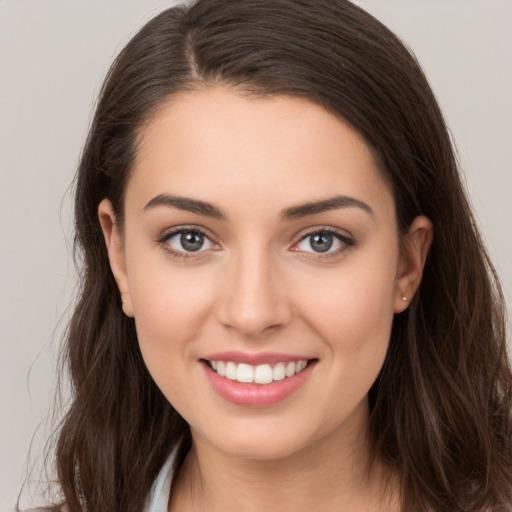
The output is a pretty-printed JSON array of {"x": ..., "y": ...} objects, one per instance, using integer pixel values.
[
  {"x": 192, "y": 241},
  {"x": 321, "y": 242}
]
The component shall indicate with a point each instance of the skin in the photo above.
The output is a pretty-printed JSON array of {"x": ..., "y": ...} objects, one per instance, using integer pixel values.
[{"x": 258, "y": 285}]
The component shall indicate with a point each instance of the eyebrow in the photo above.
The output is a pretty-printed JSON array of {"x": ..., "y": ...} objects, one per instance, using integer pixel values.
[
  {"x": 187, "y": 204},
  {"x": 333, "y": 203},
  {"x": 294, "y": 212}
]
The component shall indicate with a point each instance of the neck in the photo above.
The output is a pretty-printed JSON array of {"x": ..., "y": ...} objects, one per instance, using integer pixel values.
[{"x": 330, "y": 474}]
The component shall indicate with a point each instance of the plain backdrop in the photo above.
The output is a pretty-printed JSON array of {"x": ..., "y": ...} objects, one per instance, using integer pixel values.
[{"x": 53, "y": 55}]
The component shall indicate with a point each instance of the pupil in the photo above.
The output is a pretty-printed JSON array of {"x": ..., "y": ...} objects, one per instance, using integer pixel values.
[
  {"x": 321, "y": 242},
  {"x": 192, "y": 241}
]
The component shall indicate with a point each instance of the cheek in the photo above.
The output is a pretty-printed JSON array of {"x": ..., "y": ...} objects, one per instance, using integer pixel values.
[
  {"x": 352, "y": 311},
  {"x": 171, "y": 308},
  {"x": 170, "y": 305}
]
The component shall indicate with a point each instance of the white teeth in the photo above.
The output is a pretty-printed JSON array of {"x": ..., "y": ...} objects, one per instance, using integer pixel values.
[
  {"x": 245, "y": 373},
  {"x": 260, "y": 374},
  {"x": 263, "y": 374},
  {"x": 290, "y": 369},
  {"x": 231, "y": 370},
  {"x": 279, "y": 372},
  {"x": 221, "y": 368}
]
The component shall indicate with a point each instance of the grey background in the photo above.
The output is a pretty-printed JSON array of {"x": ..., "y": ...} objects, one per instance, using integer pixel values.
[{"x": 53, "y": 55}]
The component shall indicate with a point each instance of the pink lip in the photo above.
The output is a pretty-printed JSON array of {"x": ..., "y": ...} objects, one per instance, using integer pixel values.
[
  {"x": 256, "y": 395},
  {"x": 270, "y": 358}
]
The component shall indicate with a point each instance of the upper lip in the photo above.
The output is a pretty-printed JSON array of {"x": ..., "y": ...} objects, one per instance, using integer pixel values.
[{"x": 255, "y": 359}]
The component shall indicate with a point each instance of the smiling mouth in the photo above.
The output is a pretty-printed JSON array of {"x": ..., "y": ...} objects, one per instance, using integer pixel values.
[{"x": 258, "y": 374}]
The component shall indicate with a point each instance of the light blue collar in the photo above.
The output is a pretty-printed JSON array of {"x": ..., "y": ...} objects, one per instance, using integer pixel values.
[{"x": 158, "y": 499}]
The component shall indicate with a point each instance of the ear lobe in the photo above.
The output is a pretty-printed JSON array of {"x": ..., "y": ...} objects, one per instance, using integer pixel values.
[
  {"x": 115, "y": 251},
  {"x": 414, "y": 254}
]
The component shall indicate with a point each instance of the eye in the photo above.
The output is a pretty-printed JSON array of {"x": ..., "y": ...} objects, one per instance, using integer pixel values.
[
  {"x": 188, "y": 240},
  {"x": 323, "y": 241}
]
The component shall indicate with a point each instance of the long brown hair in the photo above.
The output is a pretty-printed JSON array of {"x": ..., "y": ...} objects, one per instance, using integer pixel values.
[{"x": 441, "y": 409}]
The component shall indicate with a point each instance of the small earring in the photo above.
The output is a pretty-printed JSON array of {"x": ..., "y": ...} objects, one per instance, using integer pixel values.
[
  {"x": 404, "y": 298},
  {"x": 126, "y": 307}
]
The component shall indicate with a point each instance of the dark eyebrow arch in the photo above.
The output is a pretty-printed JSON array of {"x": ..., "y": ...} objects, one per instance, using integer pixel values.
[
  {"x": 333, "y": 203},
  {"x": 187, "y": 204}
]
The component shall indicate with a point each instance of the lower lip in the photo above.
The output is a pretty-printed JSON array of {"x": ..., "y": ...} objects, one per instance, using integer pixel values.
[{"x": 256, "y": 395}]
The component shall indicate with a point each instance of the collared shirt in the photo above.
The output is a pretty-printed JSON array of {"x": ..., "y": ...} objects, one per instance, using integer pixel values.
[{"x": 158, "y": 499}]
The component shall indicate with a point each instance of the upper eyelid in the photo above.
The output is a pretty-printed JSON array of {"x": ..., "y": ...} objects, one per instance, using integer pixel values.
[
  {"x": 325, "y": 229},
  {"x": 167, "y": 233}
]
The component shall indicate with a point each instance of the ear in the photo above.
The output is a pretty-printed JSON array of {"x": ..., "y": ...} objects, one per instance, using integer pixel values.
[
  {"x": 412, "y": 261},
  {"x": 115, "y": 251}
]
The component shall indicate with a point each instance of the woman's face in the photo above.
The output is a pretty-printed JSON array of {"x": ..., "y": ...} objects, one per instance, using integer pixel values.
[{"x": 259, "y": 237}]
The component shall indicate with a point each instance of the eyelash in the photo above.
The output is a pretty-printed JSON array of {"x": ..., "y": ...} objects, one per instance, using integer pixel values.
[
  {"x": 347, "y": 241},
  {"x": 187, "y": 255},
  {"x": 183, "y": 255}
]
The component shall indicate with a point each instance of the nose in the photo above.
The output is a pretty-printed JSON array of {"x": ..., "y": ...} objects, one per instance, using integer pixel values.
[{"x": 254, "y": 301}]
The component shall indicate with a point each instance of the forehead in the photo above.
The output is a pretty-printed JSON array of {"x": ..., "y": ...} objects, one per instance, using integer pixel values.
[{"x": 220, "y": 145}]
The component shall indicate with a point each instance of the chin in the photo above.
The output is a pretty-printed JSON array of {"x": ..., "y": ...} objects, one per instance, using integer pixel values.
[
  {"x": 265, "y": 438},
  {"x": 267, "y": 449}
]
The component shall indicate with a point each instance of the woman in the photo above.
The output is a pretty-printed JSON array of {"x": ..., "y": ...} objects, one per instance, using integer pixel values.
[{"x": 285, "y": 300}]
